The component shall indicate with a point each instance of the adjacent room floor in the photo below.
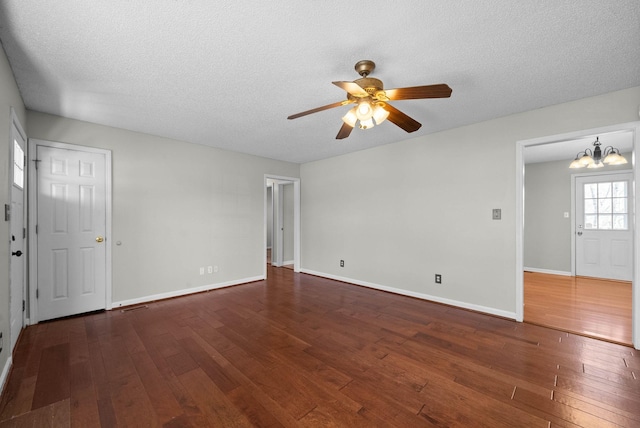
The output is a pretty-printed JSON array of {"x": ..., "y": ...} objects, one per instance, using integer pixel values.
[{"x": 588, "y": 306}]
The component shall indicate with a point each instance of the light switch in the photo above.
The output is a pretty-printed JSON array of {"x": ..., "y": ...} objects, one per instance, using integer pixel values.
[{"x": 497, "y": 213}]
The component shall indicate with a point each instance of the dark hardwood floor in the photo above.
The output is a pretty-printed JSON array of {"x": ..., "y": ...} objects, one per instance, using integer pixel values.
[
  {"x": 298, "y": 350},
  {"x": 592, "y": 307}
]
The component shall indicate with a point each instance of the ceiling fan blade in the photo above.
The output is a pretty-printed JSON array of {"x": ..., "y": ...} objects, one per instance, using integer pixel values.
[
  {"x": 419, "y": 92},
  {"x": 317, "y": 109},
  {"x": 344, "y": 132},
  {"x": 353, "y": 88},
  {"x": 401, "y": 119}
]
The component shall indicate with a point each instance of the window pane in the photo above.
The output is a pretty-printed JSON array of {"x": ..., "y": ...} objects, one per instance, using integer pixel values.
[
  {"x": 604, "y": 190},
  {"x": 591, "y": 206},
  {"x": 591, "y": 190},
  {"x": 620, "y": 222},
  {"x": 620, "y": 205},
  {"x": 604, "y": 206},
  {"x": 604, "y": 222},
  {"x": 619, "y": 189},
  {"x": 18, "y": 165},
  {"x": 590, "y": 222}
]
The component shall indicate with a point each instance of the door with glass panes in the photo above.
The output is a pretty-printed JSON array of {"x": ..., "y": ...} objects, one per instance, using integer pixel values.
[{"x": 604, "y": 235}]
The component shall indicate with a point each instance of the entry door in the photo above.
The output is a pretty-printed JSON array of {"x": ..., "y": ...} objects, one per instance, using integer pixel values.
[
  {"x": 18, "y": 235},
  {"x": 71, "y": 226},
  {"x": 604, "y": 226}
]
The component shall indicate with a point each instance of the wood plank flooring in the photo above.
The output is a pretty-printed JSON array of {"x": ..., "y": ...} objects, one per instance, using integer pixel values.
[
  {"x": 587, "y": 306},
  {"x": 302, "y": 351}
]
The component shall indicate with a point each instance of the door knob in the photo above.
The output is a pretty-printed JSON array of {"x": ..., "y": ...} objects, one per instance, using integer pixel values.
[
  {"x": 99, "y": 239},
  {"x": 580, "y": 233},
  {"x": 16, "y": 253}
]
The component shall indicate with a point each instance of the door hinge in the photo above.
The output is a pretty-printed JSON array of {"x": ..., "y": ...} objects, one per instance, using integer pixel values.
[
  {"x": 24, "y": 233},
  {"x": 36, "y": 229},
  {"x": 37, "y": 161},
  {"x": 7, "y": 211},
  {"x": 37, "y": 293}
]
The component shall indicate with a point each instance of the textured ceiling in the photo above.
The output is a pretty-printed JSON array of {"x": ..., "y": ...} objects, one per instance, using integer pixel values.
[{"x": 227, "y": 74}]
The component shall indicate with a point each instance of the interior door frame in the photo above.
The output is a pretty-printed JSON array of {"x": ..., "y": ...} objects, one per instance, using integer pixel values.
[
  {"x": 574, "y": 177},
  {"x": 33, "y": 220},
  {"x": 296, "y": 219},
  {"x": 634, "y": 128}
]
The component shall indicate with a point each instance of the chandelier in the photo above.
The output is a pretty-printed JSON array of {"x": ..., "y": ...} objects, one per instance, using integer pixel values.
[{"x": 598, "y": 157}]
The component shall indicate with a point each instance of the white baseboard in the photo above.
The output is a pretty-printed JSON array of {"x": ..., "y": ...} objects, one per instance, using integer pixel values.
[
  {"x": 288, "y": 262},
  {"x": 548, "y": 271},
  {"x": 184, "y": 292},
  {"x": 5, "y": 373},
  {"x": 450, "y": 302}
]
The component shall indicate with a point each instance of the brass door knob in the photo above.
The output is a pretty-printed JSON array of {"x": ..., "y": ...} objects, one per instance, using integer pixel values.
[{"x": 99, "y": 239}]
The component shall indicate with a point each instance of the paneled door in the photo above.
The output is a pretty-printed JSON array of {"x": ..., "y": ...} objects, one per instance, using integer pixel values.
[
  {"x": 71, "y": 228},
  {"x": 604, "y": 226},
  {"x": 18, "y": 235}
]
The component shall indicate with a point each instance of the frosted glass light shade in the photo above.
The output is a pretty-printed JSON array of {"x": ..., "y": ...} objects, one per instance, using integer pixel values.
[
  {"x": 594, "y": 165},
  {"x": 380, "y": 114},
  {"x": 366, "y": 124},
  {"x": 350, "y": 118},
  {"x": 615, "y": 159}
]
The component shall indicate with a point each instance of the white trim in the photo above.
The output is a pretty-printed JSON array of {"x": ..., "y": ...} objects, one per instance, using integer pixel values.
[
  {"x": 5, "y": 373},
  {"x": 548, "y": 271},
  {"x": 33, "y": 219},
  {"x": 296, "y": 220},
  {"x": 184, "y": 292},
  {"x": 633, "y": 127},
  {"x": 450, "y": 302}
]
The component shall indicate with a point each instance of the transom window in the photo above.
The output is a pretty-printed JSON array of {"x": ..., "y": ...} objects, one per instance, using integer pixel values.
[
  {"x": 606, "y": 205},
  {"x": 18, "y": 165}
]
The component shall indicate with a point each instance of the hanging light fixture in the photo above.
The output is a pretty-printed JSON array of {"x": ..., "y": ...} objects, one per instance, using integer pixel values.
[
  {"x": 367, "y": 113},
  {"x": 596, "y": 158}
]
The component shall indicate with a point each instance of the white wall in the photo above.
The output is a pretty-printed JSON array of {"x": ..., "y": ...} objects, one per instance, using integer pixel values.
[
  {"x": 176, "y": 207},
  {"x": 400, "y": 213},
  {"x": 9, "y": 97},
  {"x": 547, "y": 233}
]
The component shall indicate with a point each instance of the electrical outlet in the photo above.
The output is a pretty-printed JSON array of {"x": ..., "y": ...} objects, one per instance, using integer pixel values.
[
  {"x": 210, "y": 269},
  {"x": 1, "y": 342},
  {"x": 202, "y": 271},
  {"x": 341, "y": 263},
  {"x": 215, "y": 269},
  {"x": 438, "y": 278}
]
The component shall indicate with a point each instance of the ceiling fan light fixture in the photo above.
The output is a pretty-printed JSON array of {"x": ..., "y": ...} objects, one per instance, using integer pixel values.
[
  {"x": 379, "y": 114},
  {"x": 350, "y": 118}
]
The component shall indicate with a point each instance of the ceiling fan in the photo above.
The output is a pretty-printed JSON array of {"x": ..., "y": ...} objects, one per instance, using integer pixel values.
[{"x": 371, "y": 101}]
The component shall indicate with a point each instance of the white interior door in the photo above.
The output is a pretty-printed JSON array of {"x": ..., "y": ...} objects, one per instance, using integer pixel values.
[
  {"x": 17, "y": 244},
  {"x": 604, "y": 226},
  {"x": 71, "y": 232}
]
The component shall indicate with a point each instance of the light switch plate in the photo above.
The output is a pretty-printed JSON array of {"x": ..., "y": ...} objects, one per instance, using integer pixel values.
[{"x": 497, "y": 213}]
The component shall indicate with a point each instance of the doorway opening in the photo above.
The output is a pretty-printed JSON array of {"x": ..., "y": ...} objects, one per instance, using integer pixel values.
[
  {"x": 547, "y": 235},
  {"x": 281, "y": 222}
]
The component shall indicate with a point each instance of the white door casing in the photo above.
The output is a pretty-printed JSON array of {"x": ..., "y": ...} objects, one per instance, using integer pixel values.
[
  {"x": 17, "y": 245},
  {"x": 73, "y": 226},
  {"x": 296, "y": 218},
  {"x": 604, "y": 227}
]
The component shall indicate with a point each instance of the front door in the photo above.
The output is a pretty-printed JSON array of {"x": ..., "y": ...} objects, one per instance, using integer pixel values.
[
  {"x": 71, "y": 228},
  {"x": 18, "y": 235},
  {"x": 604, "y": 226}
]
